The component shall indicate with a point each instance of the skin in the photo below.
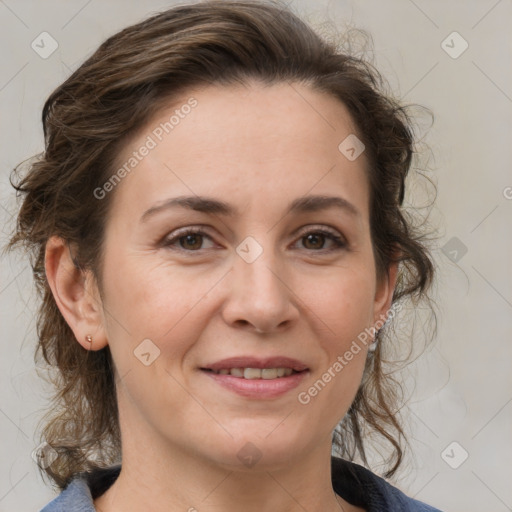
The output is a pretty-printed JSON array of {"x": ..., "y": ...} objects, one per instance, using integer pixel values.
[{"x": 258, "y": 148}]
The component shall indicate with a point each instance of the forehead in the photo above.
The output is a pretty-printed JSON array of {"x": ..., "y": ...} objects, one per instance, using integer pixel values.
[{"x": 242, "y": 143}]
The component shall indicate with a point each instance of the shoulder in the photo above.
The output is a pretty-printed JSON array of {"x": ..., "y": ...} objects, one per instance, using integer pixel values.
[
  {"x": 81, "y": 492},
  {"x": 361, "y": 487},
  {"x": 76, "y": 496}
]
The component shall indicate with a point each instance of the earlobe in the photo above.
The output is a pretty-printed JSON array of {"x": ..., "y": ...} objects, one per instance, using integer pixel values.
[{"x": 76, "y": 295}]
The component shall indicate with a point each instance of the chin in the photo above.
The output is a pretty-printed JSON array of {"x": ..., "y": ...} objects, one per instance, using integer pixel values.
[{"x": 254, "y": 453}]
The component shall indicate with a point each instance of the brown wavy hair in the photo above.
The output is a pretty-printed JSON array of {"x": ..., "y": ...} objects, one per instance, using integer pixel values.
[{"x": 87, "y": 120}]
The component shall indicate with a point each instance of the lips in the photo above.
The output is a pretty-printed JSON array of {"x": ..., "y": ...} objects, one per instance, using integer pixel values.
[
  {"x": 257, "y": 378},
  {"x": 255, "y": 373},
  {"x": 254, "y": 362}
]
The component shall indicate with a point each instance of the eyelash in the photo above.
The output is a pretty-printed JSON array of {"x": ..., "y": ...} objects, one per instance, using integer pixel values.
[{"x": 339, "y": 241}]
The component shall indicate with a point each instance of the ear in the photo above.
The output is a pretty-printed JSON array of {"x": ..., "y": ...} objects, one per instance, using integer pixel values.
[
  {"x": 384, "y": 294},
  {"x": 76, "y": 293}
]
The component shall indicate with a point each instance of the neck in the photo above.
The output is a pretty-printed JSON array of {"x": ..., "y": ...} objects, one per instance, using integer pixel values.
[
  {"x": 182, "y": 482},
  {"x": 172, "y": 477}
]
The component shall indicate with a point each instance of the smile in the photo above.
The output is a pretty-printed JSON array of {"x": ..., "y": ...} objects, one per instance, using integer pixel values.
[
  {"x": 257, "y": 383},
  {"x": 256, "y": 373}
]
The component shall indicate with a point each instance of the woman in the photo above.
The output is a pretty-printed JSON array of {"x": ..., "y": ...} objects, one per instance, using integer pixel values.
[{"x": 217, "y": 233}]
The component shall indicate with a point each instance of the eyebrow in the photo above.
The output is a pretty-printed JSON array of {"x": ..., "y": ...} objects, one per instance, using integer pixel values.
[{"x": 306, "y": 204}]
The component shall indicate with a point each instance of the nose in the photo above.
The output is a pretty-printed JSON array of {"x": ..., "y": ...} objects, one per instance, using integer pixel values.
[{"x": 260, "y": 297}]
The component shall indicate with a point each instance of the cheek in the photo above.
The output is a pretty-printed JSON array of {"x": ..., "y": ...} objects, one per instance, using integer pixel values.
[
  {"x": 342, "y": 309},
  {"x": 152, "y": 301},
  {"x": 342, "y": 301}
]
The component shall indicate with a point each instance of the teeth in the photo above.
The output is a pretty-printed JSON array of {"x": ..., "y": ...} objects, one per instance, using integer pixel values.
[
  {"x": 237, "y": 372},
  {"x": 268, "y": 373},
  {"x": 252, "y": 373},
  {"x": 256, "y": 373}
]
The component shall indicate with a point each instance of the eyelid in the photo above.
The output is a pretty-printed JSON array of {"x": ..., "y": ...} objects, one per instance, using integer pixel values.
[
  {"x": 336, "y": 237},
  {"x": 178, "y": 233},
  {"x": 317, "y": 228}
]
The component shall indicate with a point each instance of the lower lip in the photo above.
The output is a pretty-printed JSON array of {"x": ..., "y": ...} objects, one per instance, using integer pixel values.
[{"x": 258, "y": 388}]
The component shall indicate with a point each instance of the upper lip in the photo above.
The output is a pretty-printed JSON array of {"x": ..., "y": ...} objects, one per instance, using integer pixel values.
[{"x": 257, "y": 362}]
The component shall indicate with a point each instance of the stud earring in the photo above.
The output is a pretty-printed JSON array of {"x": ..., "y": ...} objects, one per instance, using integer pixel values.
[
  {"x": 88, "y": 338},
  {"x": 373, "y": 346}
]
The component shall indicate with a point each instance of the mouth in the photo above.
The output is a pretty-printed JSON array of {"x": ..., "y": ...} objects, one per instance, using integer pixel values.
[
  {"x": 255, "y": 373},
  {"x": 257, "y": 378}
]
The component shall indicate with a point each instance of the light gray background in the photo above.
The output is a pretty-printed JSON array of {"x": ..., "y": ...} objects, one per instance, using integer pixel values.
[{"x": 462, "y": 389}]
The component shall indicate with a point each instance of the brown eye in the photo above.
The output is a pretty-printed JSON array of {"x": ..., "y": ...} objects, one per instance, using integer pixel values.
[
  {"x": 188, "y": 240},
  {"x": 191, "y": 241},
  {"x": 316, "y": 241}
]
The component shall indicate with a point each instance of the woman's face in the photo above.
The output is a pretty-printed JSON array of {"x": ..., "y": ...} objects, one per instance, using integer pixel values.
[{"x": 253, "y": 279}]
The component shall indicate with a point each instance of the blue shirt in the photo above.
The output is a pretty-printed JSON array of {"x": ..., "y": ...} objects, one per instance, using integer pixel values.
[{"x": 352, "y": 482}]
